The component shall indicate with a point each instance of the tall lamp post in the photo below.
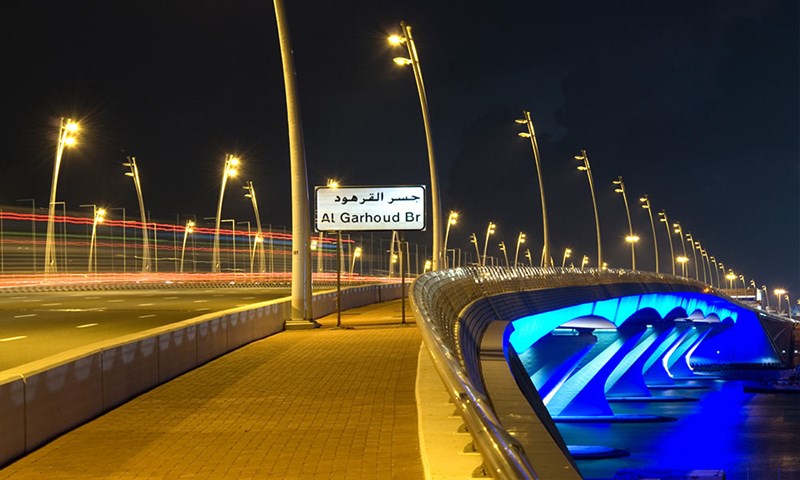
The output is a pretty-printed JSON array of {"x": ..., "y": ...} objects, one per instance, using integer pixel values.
[
  {"x": 730, "y": 277},
  {"x": 584, "y": 261},
  {"x": 189, "y": 228},
  {"x": 520, "y": 240},
  {"x": 473, "y": 239},
  {"x": 584, "y": 157},
  {"x": 408, "y": 40},
  {"x": 699, "y": 248},
  {"x": 251, "y": 194},
  {"x": 66, "y": 138},
  {"x": 766, "y": 295},
  {"x": 662, "y": 217},
  {"x": 489, "y": 232},
  {"x": 679, "y": 231},
  {"x": 529, "y": 257},
  {"x": 356, "y": 254},
  {"x": 98, "y": 215},
  {"x": 547, "y": 260},
  {"x": 778, "y": 292},
  {"x": 682, "y": 261},
  {"x": 716, "y": 269},
  {"x": 631, "y": 238},
  {"x": 505, "y": 252},
  {"x": 645, "y": 200},
  {"x": 452, "y": 219},
  {"x": 567, "y": 254},
  {"x": 694, "y": 255},
  {"x": 229, "y": 170},
  {"x": 134, "y": 173}
]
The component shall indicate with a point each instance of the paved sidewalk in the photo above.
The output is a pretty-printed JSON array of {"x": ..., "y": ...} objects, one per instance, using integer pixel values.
[{"x": 322, "y": 403}]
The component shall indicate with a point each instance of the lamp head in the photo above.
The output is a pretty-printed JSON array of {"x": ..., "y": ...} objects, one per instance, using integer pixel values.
[
  {"x": 402, "y": 61},
  {"x": 396, "y": 40}
]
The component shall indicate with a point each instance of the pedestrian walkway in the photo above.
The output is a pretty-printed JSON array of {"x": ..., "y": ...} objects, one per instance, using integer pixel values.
[{"x": 322, "y": 403}]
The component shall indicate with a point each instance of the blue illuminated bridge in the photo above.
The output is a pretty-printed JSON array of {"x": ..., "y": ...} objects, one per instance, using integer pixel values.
[{"x": 520, "y": 349}]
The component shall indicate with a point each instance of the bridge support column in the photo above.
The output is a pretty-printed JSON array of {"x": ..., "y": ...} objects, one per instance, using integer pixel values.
[
  {"x": 679, "y": 360},
  {"x": 627, "y": 380},
  {"x": 655, "y": 370}
]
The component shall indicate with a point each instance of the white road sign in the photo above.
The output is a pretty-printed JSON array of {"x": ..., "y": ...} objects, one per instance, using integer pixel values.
[{"x": 370, "y": 208}]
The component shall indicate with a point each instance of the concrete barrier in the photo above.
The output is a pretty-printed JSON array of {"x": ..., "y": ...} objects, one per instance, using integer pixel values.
[
  {"x": 129, "y": 370},
  {"x": 41, "y": 400},
  {"x": 12, "y": 417},
  {"x": 60, "y": 398}
]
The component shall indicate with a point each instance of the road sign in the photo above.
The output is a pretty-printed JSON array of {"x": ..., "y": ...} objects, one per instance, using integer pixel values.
[{"x": 370, "y": 208}]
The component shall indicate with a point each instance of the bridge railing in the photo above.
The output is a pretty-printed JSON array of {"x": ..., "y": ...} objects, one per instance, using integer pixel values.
[{"x": 439, "y": 298}]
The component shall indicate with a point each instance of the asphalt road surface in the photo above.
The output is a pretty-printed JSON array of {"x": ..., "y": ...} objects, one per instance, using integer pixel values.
[{"x": 36, "y": 325}]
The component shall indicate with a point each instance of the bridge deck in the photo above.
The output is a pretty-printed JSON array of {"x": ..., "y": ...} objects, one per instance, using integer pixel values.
[{"x": 326, "y": 403}]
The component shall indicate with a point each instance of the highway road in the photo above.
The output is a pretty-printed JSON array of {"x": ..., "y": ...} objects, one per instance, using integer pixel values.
[{"x": 36, "y": 325}]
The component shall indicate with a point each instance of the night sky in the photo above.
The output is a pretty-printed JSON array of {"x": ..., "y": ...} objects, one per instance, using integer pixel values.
[{"x": 694, "y": 103}]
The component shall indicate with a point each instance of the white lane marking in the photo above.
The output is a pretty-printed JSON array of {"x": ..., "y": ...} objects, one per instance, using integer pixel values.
[
  {"x": 200, "y": 301},
  {"x": 90, "y": 298},
  {"x": 26, "y": 315},
  {"x": 201, "y": 309},
  {"x": 88, "y": 325},
  {"x": 16, "y": 298},
  {"x": 50, "y": 304},
  {"x": 248, "y": 298},
  {"x": 218, "y": 295},
  {"x": 170, "y": 298},
  {"x": 96, "y": 309},
  {"x": 146, "y": 316},
  {"x": 32, "y": 300},
  {"x": 146, "y": 304},
  {"x": 9, "y": 339},
  {"x": 116, "y": 301}
]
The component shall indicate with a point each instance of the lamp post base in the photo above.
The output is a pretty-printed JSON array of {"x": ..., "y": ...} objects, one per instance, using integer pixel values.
[{"x": 300, "y": 324}]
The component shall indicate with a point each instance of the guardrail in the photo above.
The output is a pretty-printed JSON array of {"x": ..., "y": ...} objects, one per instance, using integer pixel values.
[
  {"x": 41, "y": 400},
  {"x": 439, "y": 299}
]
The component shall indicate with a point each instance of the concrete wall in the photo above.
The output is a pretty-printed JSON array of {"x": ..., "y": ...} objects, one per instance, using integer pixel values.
[{"x": 44, "y": 399}]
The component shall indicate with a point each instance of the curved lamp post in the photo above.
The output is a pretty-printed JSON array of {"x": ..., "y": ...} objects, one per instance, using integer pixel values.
[
  {"x": 99, "y": 215},
  {"x": 229, "y": 170},
  {"x": 585, "y": 260},
  {"x": 584, "y": 157},
  {"x": 504, "y": 250},
  {"x": 547, "y": 260},
  {"x": 452, "y": 219},
  {"x": 529, "y": 256},
  {"x": 766, "y": 295},
  {"x": 189, "y": 228},
  {"x": 679, "y": 231},
  {"x": 662, "y": 217},
  {"x": 631, "y": 238},
  {"x": 134, "y": 173},
  {"x": 645, "y": 200},
  {"x": 567, "y": 254},
  {"x": 251, "y": 194},
  {"x": 694, "y": 255},
  {"x": 489, "y": 232},
  {"x": 778, "y": 292},
  {"x": 66, "y": 138},
  {"x": 408, "y": 40},
  {"x": 520, "y": 240}
]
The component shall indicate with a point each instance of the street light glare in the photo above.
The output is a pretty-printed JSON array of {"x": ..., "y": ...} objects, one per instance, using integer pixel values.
[
  {"x": 232, "y": 172},
  {"x": 524, "y": 134},
  {"x": 402, "y": 61},
  {"x": 396, "y": 40},
  {"x": 234, "y": 161},
  {"x": 72, "y": 127},
  {"x": 632, "y": 238},
  {"x": 70, "y": 141}
]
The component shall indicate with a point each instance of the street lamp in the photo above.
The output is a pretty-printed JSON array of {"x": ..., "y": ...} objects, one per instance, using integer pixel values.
[
  {"x": 645, "y": 200},
  {"x": 716, "y": 269},
  {"x": 567, "y": 254},
  {"x": 520, "y": 241},
  {"x": 186, "y": 231},
  {"x": 503, "y": 249},
  {"x": 778, "y": 292},
  {"x": 452, "y": 219},
  {"x": 356, "y": 254},
  {"x": 66, "y": 138},
  {"x": 679, "y": 231},
  {"x": 134, "y": 173},
  {"x": 730, "y": 277},
  {"x": 529, "y": 257},
  {"x": 584, "y": 157},
  {"x": 744, "y": 284},
  {"x": 408, "y": 40},
  {"x": 251, "y": 194},
  {"x": 585, "y": 260},
  {"x": 489, "y": 232},
  {"x": 662, "y": 217},
  {"x": 473, "y": 239},
  {"x": 630, "y": 238},
  {"x": 427, "y": 266},
  {"x": 699, "y": 248},
  {"x": 546, "y": 260},
  {"x": 766, "y": 295},
  {"x": 229, "y": 170},
  {"x": 99, "y": 215},
  {"x": 694, "y": 255},
  {"x": 682, "y": 260}
]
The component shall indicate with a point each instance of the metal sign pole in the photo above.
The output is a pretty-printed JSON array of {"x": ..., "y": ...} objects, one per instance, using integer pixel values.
[
  {"x": 339, "y": 279},
  {"x": 402, "y": 278}
]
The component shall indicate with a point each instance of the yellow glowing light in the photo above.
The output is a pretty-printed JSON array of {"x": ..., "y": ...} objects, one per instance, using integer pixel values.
[
  {"x": 232, "y": 172},
  {"x": 233, "y": 161},
  {"x": 333, "y": 183},
  {"x": 313, "y": 244},
  {"x": 779, "y": 291},
  {"x": 682, "y": 259},
  {"x": 70, "y": 141},
  {"x": 396, "y": 39},
  {"x": 72, "y": 127},
  {"x": 632, "y": 238},
  {"x": 402, "y": 61},
  {"x": 357, "y": 252}
]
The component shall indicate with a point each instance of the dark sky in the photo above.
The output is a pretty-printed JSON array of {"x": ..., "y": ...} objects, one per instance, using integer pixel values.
[{"x": 694, "y": 103}]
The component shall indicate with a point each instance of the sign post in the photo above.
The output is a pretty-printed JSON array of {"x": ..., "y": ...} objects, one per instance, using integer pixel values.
[{"x": 372, "y": 208}]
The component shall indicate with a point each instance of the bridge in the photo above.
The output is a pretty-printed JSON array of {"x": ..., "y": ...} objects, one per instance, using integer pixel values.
[{"x": 518, "y": 349}]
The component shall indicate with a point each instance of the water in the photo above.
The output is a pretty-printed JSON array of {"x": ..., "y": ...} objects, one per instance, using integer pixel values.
[{"x": 748, "y": 436}]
